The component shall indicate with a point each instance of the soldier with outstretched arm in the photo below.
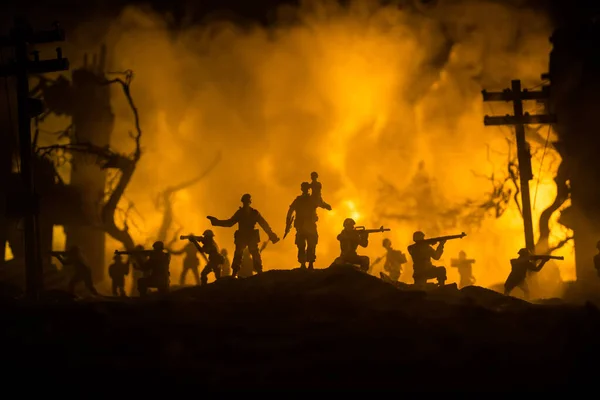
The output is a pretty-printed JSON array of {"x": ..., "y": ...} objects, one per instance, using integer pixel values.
[
  {"x": 465, "y": 269},
  {"x": 191, "y": 262},
  {"x": 210, "y": 248},
  {"x": 117, "y": 271},
  {"x": 247, "y": 235},
  {"x": 305, "y": 221},
  {"x": 519, "y": 268},
  {"x": 156, "y": 266},
  {"x": 421, "y": 252},
  {"x": 393, "y": 261},
  {"x": 81, "y": 271},
  {"x": 350, "y": 238}
]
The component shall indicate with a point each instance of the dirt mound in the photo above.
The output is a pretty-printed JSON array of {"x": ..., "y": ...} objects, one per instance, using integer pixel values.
[{"x": 334, "y": 328}]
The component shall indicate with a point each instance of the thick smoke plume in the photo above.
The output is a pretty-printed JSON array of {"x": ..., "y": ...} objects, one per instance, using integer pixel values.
[{"x": 355, "y": 93}]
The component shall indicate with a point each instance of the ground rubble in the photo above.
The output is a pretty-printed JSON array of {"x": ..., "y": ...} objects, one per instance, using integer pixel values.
[{"x": 333, "y": 328}]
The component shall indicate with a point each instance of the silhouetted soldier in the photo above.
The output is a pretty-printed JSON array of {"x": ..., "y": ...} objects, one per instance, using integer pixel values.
[
  {"x": 597, "y": 259},
  {"x": 519, "y": 268},
  {"x": 210, "y": 248},
  {"x": 247, "y": 267},
  {"x": 305, "y": 221},
  {"x": 226, "y": 266},
  {"x": 465, "y": 269},
  {"x": 421, "y": 253},
  {"x": 117, "y": 271},
  {"x": 81, "y": 272},
  {"x": 350, "y": 239},
  {"x": 191, "y": 262},
  {"x": 247, "y": 235},
  {"x": 393, "y": 260},
  {"x": 155, "y": 268},
  {"x": 316, "y": 189}
]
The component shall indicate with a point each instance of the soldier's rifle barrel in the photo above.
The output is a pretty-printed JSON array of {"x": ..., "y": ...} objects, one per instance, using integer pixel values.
[
  {"x": 443, "y": 238},
  {"x": 541, "y": 257},
  {"x": 188, "y": 237},
  {"x": 362, "y": 229}
]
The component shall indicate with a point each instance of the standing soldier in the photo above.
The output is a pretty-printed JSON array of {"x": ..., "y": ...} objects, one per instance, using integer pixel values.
[
  {"x": 226, "y": 266},
  {"x": 117, "y": 271},
  {"x": 247, "y": 235},
  {"x": 519, "y": 268},
  {"x": 465, "y": 269},
  {"x": 191, "y": 262},
  {"x": 316, "y": 189},
  {"x": 421, "y": 253},
  {"x": 305, "y": 221},
  {"x": 81, "y": 272},
  {"x": 210, "y": 248},
  {"x": 393, "y": 260},
  {"x": 350, "y": 239}
]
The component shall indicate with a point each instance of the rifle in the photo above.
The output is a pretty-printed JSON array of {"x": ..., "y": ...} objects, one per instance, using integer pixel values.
[
  {"x": 288, "y": 226},
  {"x": 457, "y": 263},
  {"x": 546, "y": 258},
  {"x": 364, "y": 231},
  {"x": 441, "y": 238},
  {"x": 134, "y": 252},
  {"x": 191, "y": 237}
]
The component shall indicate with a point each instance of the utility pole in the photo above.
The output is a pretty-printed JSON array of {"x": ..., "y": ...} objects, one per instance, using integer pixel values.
[
  {"x": 519, "y": 120},
  {"x": 20, "y": 38}
]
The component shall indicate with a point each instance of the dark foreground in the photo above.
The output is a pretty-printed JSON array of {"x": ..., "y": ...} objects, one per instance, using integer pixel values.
[{"x": 298, "y": 330}]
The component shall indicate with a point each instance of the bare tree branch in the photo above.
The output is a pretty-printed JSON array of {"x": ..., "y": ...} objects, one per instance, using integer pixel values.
[{"x": 559, "y": 245}]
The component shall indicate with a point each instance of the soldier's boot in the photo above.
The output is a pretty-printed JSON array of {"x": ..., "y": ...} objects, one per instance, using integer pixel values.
[
  {"x": 441, "y": 282},
  {"x": 234, "y": 272},
  {"x": 302, "y": 265},
  {"x": 311, "y": 267},
  {"x": 203, "y": 280}
]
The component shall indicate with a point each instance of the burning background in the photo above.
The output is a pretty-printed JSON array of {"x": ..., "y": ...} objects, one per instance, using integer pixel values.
[{"x": 383, "y": 101}]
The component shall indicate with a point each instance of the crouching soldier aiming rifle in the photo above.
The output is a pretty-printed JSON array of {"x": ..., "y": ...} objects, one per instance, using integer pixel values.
[
  {"x": 157, "y": 266},
  {"x": 81, "y": 272},
  {"x": 210, "y": 248},
  {"x": 519, "y": 268},
  {"x": 350, "y": 238},
  {"x": 421, "y": 252}
]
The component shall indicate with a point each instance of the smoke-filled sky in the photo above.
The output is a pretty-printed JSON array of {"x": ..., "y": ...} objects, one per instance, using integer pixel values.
[{"x": 354, "y": 93}]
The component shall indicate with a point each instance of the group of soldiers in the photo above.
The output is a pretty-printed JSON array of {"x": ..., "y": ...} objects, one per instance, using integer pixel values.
[{"x": 302, "y": 215}]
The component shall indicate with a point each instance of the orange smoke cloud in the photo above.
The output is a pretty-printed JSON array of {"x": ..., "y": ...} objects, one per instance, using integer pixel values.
[{"x": 354, "y": 93}]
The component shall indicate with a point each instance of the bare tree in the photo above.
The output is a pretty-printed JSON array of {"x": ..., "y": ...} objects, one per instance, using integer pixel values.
[
  {"x": 107, "y": 158},
  {"x": 164, "y": 202}
]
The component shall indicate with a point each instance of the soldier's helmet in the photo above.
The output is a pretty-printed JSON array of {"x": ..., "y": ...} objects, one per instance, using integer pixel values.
[
  {"x": 387, "y": 243},
  {"x": 349, "y": 223},
  {"x": 224, "y": 252},
  {"x": 418, "y": 235},
  {"x": 117, "y": 257},
  {"x": 304, "y": 186},
  {"x": 139, "y": 247},
  {"x": 158, "y": 246},
  {"x": 314, "y": 175},
  {"x": 462, "y": 254},
  {"x": 246, "y": 199},
  {"x": 524, "y": 252},
  {"x": 208, "y": 234}
]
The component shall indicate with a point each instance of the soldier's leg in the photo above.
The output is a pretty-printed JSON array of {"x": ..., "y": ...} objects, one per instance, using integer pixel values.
[
  {"x": 256, "y": 258},
  {"x": 301, "y": 245},
  {"x": 122, "y": 290},
  {"x": 217, "y": 270},
  {"x": 89, "y": 283},
  {"x": 75, "y": 279},
  {"x": 311, "y": 249},
  {"x": 142, "y": 286},
  {"x": 115, "y": 288},
  {"x": 440, "y": 275},
  {"x": 364, "y": 263},
  {"x": 236, "y": 263},
  {"x": 510, "y": 284},
  {"x": 525, "y": 288},
  {"x": 394, "y": 275},
  {"x": 204, "y": 275},
  {"x": 184, "y": 272},
  {"x": 196, "y": 275}
]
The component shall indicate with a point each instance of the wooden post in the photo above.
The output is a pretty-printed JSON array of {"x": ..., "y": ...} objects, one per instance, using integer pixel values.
[
  {"x": 519, "y": 120},
  {"x": 20, "y": 38}
]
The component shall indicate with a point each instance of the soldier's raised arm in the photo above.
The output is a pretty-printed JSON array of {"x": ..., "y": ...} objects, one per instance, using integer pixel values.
[
  {"x": 437, "y": 253},
  {"x": 539, "y": 267},
  {"x": 267, "y": 228},
  {"x": 291, "y": 210},
  {"x": 225, "y": 223}
]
